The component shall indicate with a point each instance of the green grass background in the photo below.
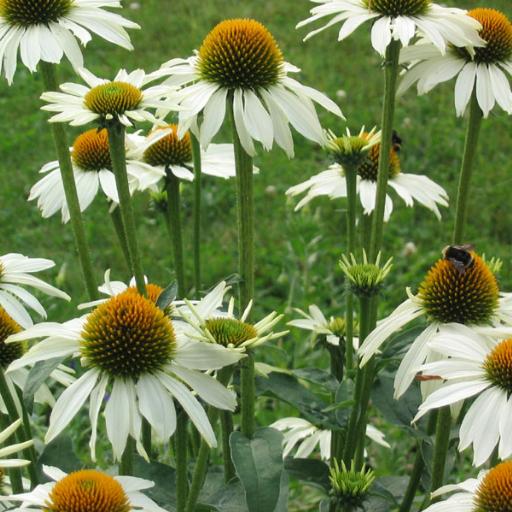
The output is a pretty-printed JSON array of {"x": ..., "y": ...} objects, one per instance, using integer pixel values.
[{"x": 296, "y": 253}]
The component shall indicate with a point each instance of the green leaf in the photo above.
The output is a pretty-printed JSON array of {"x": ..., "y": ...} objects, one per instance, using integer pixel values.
[
  {"x": 259, "y": 465},
  {"x": 167, "y": 296},
  {"x": 287, "y": 388},
  {"x": 164, "y": 491},
  {"x": 319, "y": 377},
  {"x": 344, "y": 401},
  {"x": 37, "y": 376},
  {"x": 314, "y": 472},
  {"x": 60, "y": 453}
]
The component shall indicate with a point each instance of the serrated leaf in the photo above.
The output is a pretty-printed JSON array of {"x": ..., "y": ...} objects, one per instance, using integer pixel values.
[
  {"x": 37, "y": 376},
  {"x": 167, "y": 296},
  {"x": 259, "y": 466}
]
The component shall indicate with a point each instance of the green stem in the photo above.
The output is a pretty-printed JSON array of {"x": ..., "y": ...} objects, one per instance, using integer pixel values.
[
  {"x": 196, "y": 152},
  {"x": 126, "y": 464},
  {"x": 30, "y": 452},
  {"x": 14, "y": 473},
  {"x": 116, "y": 139},
  {"x": 227, "y": 428},
  {"x": 418, "y": 468},
  {"x": 49, "y": 73},
  {"x": 361, "y": 397},
  {"x": 351, "y": 179},
  {"x": 473, "y": 131},
  {"x": 391, "y": 68},
  {"x": 337, "y": 354},
  {"x": 180, "y": 451},
  {"x": 366, "y": 231},
  {"x": 146, "y": 437},
  {"x": 441, "y": 443},
  {"x": 174, "y": 222},
  {"x": 245, "y": 216},
  {"x": 117, "y": 222},
  {"x": 22, "y": 432}
]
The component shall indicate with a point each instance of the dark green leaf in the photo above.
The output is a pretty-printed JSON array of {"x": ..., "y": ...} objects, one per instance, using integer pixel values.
[
  {"x": 259, "y": 465},
  {"x": 318, "y": 376},
  {"x": 167, "y": 296},
  {"x": 37, "y": 376},
  {"x": 164, "y": 491},
  {"x": 60, "y": 453},
  {"x": 314, "y": 472},
  {"x": 344, "y": 400}
]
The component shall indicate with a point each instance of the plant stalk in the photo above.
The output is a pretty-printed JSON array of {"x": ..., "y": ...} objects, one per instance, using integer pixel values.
[
  {"x": 49, "y": 73},
  {"x": 391, "y": 68},
  {"x": 126, "y": 464},
  {"x": 196, "y": 153},
  {"x": 117, "y": 222},
  {"x": 174, "y": 222},
  {"x": 180, "y": 450}
]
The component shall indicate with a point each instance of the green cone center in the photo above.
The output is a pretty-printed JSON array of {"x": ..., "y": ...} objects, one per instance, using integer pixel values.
[
  {"x": 34, "y": 12},
  {"x": 113, "y": 98},
  {"x": 230, "y": 332}
]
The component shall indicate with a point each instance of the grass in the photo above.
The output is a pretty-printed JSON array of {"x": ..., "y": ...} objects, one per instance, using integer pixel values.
[{"x": 296, "y": 253}]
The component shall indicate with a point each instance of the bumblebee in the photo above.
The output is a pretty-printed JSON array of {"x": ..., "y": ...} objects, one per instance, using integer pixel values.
[
  {"x": 396, "y": 141},
  {"x": 460, "y": 256}
]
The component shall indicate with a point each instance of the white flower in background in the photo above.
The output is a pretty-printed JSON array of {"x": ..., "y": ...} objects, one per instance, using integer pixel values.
[
  {"x": 398, "y": 20},
  {"x": 482, "y": 71},
  {"x": 13, "y": 448},
  {"x": 490, "y": 492},
  {"x": 12, "y": 351},
  {"x": 92, "y": 169},
  {"x": 207, "y": 324},
  {"x": 458, "y": 292},
  {"x": 163, "y": 150},
  {"x": 129, "y": 349},
  {"x": 125, "y": 98},
  {"x": 332, "y": 182},
  {"x": 48, "y": 30},
  {"x": 480, "y": 366},
  {"x": 303, "y": 435},
  {"x": 87, "y": 489},
  {"x": 15, "y": 272},
  {"x": 240, "y": 59},
  {"x": 316, "y": 322}
]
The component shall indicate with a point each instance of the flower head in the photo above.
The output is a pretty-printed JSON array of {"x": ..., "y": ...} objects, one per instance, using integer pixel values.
[
  {"x": 87, "y": 489},
  {"x": 207, "y": 323},
  {"x": 349, "y": 486},
  {"x": 124, "y": 98},
  {"x": 363, "y": 150},
  {"x": 240, "y": 64},
  {"x": 15, "y": 272},
  {"x": 46, "y": 30},
  {"x": 490, "y": 492},
  {"x": 481, "y": 70},
  {"x": 129, "y": 348},
  {"x": 459, "y": 294},
  {"x": 398, "y": 20},
  {"x": 365, "y": 279},
  {"x": 92, "y": 169}
]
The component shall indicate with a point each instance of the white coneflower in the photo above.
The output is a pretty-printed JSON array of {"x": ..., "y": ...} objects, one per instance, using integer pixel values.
[
  {"x": 92, "y": 169},
  {"x": 47, "y": 30},
  {"x": 480, "y": 70},
  {"x": 240, "y": 61},
  {"x": 15, "y": 272},
  {"x": 124, "y": 98},
  {"x": 475, "y": 365},
  {"x": 163, "y": 150},
  {"x": 458, "y": 291},
  {"x": 398, "y": 20},
  {"x": 332, "y": 182},
  {"x": 209, "y": 325},
  {"x": 87, "y": 489},
  {"x": 129, "y": 348},
  {"x": 303, "y": 435},
  {"x": 490, "y": 492}
]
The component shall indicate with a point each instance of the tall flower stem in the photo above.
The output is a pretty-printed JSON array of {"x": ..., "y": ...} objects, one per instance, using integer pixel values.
[
  {"x": 391, "y": 68},
  {"x": 49, "y": 73},
  {"x": 174, "y": 222},
  {"x": 196, "y": 153},
  {"x": 117, "y": 222},
  {"x": 126, "y": 464},
  {"x": 442, "y": 439},
  {"x": 245, "y": 214},
  {"x": 180, "y": 451},
  {"x": 360, "y": 404},
  {"x": 466, "y": 171},
  {"x": 227, "y": 428},
  {"x": 116, "y": 139},
  {"x": 351, "y": 179},
  {"x": 223, "y": 376},
  {"x": 24, "y": 433}
]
